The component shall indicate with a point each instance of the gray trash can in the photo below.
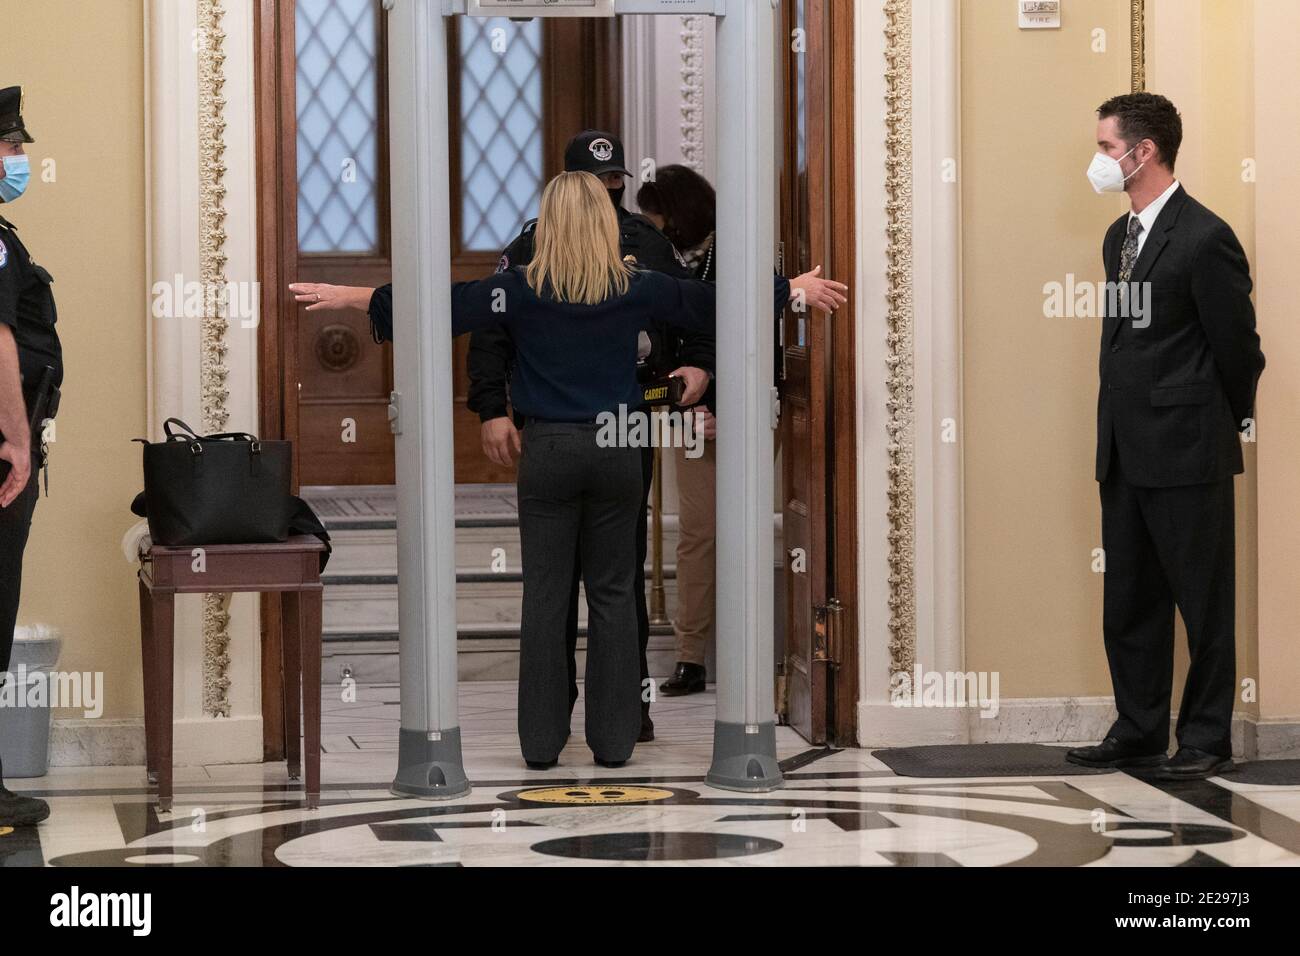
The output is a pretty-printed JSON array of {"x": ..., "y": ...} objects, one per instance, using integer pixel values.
[{"x": 25, "y": 729}]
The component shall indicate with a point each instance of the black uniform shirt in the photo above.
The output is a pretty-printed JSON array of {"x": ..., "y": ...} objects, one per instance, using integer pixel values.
[
  {"x": 27, "y": 307},
  {"x": 492, "y": 354}
]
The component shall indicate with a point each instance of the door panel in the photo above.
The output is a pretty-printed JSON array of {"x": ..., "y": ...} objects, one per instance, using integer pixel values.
[
  {"x": 525, "y": 88},
  {"x": 804, "y": 384}
]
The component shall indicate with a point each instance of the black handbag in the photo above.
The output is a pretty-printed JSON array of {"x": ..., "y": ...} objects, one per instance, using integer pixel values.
[{"x": 229, "y": 488}]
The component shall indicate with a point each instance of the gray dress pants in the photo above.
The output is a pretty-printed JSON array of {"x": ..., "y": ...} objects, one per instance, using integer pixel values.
[{"x": 575, "y": 496}]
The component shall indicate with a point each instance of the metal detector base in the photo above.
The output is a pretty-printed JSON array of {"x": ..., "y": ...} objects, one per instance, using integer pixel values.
[
  {"x": 745, "y": 762},
  {"x": 430, "y": 769}
]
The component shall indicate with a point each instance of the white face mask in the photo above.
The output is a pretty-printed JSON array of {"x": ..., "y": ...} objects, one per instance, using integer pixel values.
[{"x": 1105, "y": 174}]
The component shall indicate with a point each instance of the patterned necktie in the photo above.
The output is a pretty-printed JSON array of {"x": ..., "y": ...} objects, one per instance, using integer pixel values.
[{"x": 1129, "y": 254}]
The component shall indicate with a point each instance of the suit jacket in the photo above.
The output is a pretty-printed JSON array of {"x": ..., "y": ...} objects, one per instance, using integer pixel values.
[{"x": 1174, "y": 393}]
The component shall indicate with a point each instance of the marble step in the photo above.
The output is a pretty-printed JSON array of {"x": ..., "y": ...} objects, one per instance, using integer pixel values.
[
  {"x": 479, "y": 548},
  {"x": 494, "y": 600},
  {"x": 483, "y": 653}
]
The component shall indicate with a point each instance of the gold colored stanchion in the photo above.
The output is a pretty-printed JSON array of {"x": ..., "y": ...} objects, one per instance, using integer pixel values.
[{"x": 658, "y": 610}]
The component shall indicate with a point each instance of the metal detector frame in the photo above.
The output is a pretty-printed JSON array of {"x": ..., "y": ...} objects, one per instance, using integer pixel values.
[{"x": 430, "y": 762}]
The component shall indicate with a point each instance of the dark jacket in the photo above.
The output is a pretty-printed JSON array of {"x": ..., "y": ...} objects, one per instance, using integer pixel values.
[
  {"x": 491, "y": 353},
  {"x": 1174, "y": 394},
  {"x": 27, "y": 306},
  {"x": 707, "y": 271},
  {"x": 576, "y": 361}
]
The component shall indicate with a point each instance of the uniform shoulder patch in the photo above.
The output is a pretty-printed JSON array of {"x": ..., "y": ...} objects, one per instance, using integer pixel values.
[
  {"x": 4, "y": 254},
  {"x": 503, "y": 265}
]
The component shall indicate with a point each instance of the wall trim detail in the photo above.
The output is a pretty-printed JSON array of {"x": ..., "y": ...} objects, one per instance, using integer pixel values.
[
  {"x": 212, "y": 264},
  {"x": 692, "y": 72},
  {"x": 1137, "y": 37},
  {"x": 899, "y": 319}
]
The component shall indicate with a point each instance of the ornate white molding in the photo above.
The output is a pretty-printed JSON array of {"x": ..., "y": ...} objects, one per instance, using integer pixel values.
[
  {"x": 899, "y": 321},
  {"x": 1137, "y": 39},
  {"x": 692, "y": 73},
  {"x": 210, "y": 38}
]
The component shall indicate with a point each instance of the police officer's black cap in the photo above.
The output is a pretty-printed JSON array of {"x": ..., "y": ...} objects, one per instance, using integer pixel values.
[
  {"x": 12, "y": 129},
  {"x": 596, "y": 152}
]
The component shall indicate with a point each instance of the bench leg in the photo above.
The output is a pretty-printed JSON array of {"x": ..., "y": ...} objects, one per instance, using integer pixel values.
[
  {"x": 310, "y": 614},
  {"x": 163, "y": 620},
  {"x": 291, "y": 670},
  {"x": 147, "y": 661}
]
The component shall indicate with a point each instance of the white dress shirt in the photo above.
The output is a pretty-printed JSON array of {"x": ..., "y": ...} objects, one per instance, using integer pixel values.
[{"x": 1148, "y": 215}]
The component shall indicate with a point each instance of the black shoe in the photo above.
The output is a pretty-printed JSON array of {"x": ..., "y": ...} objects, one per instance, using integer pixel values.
[
  {"x": 688, "y": 679},
  {"x": 19, "y": 811},
  {"x": 608, "y": 763},
  {"x": 1111, "y": 753},
  {"x": 542, "y": 764},
  {"x": 647, "y": 726},
  {"x": 1192, "y": 764}
]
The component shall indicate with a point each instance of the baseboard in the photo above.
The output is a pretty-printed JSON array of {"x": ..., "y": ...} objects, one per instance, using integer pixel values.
[
  {"x": 1276, "y": 738},
  {"x": 78, "y": 742},
  {"x": 1049, "y": 720},
  {"x": 103, "y": 742}
]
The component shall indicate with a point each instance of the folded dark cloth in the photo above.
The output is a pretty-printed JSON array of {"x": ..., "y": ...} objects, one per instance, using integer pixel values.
[{"x": 302, "y": 520}]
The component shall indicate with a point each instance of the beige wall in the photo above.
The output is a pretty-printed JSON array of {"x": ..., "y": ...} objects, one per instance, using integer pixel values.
[
  {"x": 1277, "y": 147},
  {"x": 84, "y": 81},
  {"x": 1029, "y": 217}
]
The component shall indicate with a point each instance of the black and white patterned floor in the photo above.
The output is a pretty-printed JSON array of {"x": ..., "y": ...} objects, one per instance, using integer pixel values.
[{"x": 837, "y": 808}]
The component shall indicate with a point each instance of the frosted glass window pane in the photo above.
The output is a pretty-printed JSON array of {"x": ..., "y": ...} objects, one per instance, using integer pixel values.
[
  {"x": 501, "y": 129},
  {"x": 338, "y": 91}
]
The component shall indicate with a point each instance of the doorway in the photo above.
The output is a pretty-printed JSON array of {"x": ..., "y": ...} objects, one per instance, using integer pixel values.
[{"x": 519, "y": 89}]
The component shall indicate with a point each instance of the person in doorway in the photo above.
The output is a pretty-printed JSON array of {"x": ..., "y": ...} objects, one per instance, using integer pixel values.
[
  {"x": 574, "y": 315},
  {"x": 1177, "y": 384},
  {"x": 683, "y": 204}
]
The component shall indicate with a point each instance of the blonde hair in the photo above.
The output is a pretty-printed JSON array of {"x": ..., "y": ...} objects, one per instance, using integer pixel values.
[{"x": 576, "y": 250}]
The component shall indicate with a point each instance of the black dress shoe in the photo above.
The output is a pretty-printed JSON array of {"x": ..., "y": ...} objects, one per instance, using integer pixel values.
[
  {"x": 688, "y": 679},
  {"x": 1112, "y": 753},
  {"x": 647, "y": 726},
  {"x": 542, "y": 764},
  {"x": 608, "y": 763},
  {"x": 1192, "y": 764},
  {"x": 19, "y": 811}
]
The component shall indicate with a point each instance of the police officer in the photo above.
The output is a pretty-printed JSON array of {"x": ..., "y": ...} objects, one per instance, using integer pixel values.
[
  {"x": 31, "y": 368},
  {"x": 663, "y": 351}
]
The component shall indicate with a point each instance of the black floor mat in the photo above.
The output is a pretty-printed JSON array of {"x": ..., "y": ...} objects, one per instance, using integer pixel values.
[
  {"x": 981, "y": 760},
  {"x": 1272, "y": 773}
]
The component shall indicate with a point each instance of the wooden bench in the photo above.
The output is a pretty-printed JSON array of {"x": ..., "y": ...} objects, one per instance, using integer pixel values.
[{"x": 292, "y": 568}]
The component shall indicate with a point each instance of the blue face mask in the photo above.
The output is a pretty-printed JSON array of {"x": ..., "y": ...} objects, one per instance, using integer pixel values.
[{"x": 18, "y": 173}]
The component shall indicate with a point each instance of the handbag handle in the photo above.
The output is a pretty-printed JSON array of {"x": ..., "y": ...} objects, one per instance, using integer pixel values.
[{"x": 184, "y": 432}]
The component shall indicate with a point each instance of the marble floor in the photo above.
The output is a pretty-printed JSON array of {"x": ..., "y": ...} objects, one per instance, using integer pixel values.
[{"x": 837, "y": 808}]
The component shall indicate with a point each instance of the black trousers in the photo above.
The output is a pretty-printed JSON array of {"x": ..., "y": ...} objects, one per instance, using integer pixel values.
[
  {"x": 15, "y": 523},
  {"x": 642, "y": 612},
  {"x": 575, "y": 496},
  {"x": 1167, "y": 546}
]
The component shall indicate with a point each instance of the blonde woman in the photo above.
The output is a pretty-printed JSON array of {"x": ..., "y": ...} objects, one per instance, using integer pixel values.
[{"x": 574, "y": 314}]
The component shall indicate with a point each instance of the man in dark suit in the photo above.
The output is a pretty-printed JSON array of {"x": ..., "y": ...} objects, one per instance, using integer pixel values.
[{"x": 1180, "y": 360}]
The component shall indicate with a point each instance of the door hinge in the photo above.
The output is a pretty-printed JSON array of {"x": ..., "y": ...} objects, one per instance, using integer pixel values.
[
  {"x": 776, "y": 408},
  {"x": 827, "y": 632},
  {"x": 394, "y": 413}
]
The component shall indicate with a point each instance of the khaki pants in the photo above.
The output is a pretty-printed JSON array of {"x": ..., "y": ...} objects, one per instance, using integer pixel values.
[{"x": 696, "y": 555}]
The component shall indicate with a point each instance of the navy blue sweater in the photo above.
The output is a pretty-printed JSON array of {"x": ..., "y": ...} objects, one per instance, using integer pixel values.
[{"x": 575, "y": 361}]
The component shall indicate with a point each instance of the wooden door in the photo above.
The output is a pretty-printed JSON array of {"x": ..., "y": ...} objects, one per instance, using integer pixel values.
[
  {"x": 817, "y": 389},
  {"x": 518, "y": 90}
]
